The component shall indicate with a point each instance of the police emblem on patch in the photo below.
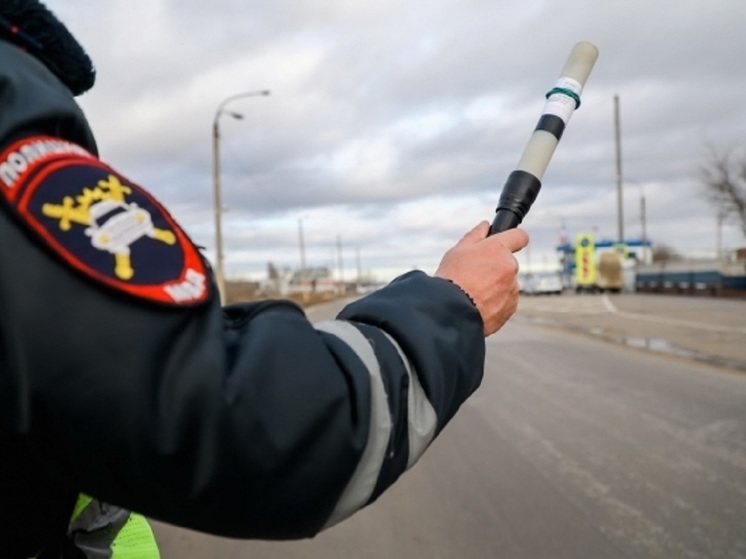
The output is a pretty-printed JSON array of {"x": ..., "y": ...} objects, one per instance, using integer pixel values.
[{"x": 100, "y": 223}]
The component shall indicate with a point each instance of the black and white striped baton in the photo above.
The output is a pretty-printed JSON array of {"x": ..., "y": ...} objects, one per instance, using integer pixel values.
[{"x": 524, "y": 183}]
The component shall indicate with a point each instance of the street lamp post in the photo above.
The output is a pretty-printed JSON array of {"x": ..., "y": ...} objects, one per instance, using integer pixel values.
[
  {"x": 219, "y": 271},
  {"x": 619, "y": 180}
]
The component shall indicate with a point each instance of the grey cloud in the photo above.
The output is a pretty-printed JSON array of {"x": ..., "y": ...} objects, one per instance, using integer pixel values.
[{"x": 355, "y": 86}]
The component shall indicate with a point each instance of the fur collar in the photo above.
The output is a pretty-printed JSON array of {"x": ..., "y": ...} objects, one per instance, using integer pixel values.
[{"x": 31, "y": 26}]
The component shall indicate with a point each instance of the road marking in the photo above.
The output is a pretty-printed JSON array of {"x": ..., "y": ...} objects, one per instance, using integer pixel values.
[
  {"x": 563, "y": 305},
  {"x": 670, "y": 321}
]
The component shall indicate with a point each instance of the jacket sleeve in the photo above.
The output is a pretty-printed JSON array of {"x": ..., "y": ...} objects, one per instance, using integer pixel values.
[{"x": 245, "y": 421}]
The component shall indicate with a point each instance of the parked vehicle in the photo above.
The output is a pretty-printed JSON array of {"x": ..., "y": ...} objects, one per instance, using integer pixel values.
[{"x": 541, "y": 283}]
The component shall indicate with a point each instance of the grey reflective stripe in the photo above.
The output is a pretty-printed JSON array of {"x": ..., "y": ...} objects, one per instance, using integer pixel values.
[
  {"x": 360, "y": 487},
  {"x": 423, "y": 420},
  {"x": 94, "y": 530}
]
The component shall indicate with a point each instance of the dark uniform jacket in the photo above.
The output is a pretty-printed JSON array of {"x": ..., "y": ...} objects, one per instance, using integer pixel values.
[{"x": 122, "y": 377}]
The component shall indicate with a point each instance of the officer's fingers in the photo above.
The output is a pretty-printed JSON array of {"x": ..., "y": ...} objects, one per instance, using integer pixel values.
[
  {"x": 478, "y": 233},
  {"x": 512, "y": 239}
]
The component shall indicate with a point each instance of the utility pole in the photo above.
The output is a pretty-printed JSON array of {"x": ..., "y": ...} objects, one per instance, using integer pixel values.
[
  {"x": 357, "y": 265},
  {"x": 619, "y": 198},
  {"x": 302, "y": 248},
  {"x": 644, "y": 218},
  {"x": 340, "y": 262}
]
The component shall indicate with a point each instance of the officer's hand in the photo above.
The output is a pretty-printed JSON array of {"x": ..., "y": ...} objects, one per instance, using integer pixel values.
[{"x": 485, "y": 268}]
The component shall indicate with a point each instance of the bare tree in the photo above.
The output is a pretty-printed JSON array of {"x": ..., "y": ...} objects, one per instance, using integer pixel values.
[
  {"x": 724, "y": 177},
  {"x": 664, "y": 253}
]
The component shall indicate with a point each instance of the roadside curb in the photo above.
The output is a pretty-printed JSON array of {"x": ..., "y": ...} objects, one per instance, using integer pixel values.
[{"x": 669, "y": 349}]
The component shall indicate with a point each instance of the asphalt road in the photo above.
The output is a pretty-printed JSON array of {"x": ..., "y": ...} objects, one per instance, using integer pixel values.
[
  {"x": 573, "y": 447},
  {"x": 702, "y": 328}
]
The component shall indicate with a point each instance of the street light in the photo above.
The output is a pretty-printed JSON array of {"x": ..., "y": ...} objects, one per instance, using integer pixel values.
[{"x": 219, "y": 272}]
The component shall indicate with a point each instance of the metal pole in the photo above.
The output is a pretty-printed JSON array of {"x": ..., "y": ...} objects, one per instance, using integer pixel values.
[
  {"x": 219, "y": 274},
  {"x": 357, "y": 265},
  {"x": 340, "y": 263},
  {"x": 302, "y": 244},
  {"x": 217, "y": 195},
  {"x": 620, "y": 210},
  {"x": 643, "y": 215}
]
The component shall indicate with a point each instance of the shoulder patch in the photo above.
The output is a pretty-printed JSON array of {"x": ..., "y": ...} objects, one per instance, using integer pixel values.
[{"x": 101, "y": 224}]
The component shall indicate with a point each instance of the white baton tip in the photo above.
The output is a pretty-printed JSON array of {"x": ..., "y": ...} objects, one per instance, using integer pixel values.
[{"x": 580, "y": 62}]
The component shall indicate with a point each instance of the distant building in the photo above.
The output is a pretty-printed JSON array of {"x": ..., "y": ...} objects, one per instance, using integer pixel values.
[
  {"x": 691, "y": 276},
  {"x": 631, "y": 253}
]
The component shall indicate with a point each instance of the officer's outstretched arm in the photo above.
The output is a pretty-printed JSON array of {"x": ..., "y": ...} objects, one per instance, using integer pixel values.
[{"x": 139, "y": 389}]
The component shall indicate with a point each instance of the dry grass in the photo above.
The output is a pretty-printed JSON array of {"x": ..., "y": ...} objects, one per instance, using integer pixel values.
[{"x": 241, "y": 292}]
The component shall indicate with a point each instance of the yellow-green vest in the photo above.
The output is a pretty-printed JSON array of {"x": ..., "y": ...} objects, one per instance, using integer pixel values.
[{"x": 103, "y": 531}]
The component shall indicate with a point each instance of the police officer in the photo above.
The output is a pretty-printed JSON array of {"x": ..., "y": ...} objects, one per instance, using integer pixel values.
[{"x": 123, "y": 378}]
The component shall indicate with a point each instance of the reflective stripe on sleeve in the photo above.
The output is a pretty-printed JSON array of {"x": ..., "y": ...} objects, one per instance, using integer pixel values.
[
  {"x": 421, "y": 416},
  {"x": 364, "y": 479},
  {"x": 423, "y": 420}
]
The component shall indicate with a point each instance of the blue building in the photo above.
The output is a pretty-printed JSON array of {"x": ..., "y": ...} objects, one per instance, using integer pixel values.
[{"x": 695, "y": 277}]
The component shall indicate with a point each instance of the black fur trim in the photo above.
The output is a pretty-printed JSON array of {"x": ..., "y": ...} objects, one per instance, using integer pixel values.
[{"x": 30, "y": 25}]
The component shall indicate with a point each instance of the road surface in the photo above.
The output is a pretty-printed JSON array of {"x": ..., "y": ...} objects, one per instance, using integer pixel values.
[{"x": 573, "y": 447}]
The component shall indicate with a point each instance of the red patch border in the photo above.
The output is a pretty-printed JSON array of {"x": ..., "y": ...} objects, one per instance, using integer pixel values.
[{"x": 43, "y": 167}]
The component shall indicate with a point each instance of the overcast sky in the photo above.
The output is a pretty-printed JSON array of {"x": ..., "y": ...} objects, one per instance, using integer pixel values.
[{"x": 392, "y": 124}]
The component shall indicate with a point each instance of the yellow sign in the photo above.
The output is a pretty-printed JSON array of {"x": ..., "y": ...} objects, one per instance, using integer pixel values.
[{"x": 585, "y": 260}]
